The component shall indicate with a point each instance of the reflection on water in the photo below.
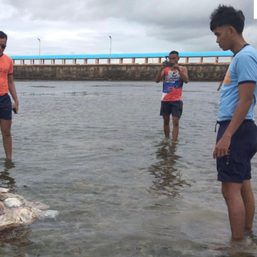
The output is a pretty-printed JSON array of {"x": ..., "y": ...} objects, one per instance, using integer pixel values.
[
  {"x": 167, "y": 178},
  {"x": 16, "y": 238},
  {"x": 6, "y": 180}
]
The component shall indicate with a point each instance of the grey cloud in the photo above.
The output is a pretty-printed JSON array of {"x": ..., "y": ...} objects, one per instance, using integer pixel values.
[
  {"x": 162, "y": 23},
  {"x": 151, "y": 11}
]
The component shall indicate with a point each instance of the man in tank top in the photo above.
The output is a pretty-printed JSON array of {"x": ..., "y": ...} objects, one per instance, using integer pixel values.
[{"x": 173, "y": 77}]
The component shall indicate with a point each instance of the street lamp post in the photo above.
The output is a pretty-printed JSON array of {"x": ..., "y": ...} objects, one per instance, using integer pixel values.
[
  {"x": 39, "y": 46},
  {"x": 110, "y": 37}
]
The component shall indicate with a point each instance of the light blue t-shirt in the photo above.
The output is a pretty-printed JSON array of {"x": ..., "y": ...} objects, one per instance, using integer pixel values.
[{"x": 243, "y": 68}]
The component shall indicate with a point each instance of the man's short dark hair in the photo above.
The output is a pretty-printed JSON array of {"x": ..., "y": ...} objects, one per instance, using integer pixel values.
[
  {"x": 3, "y": 35},
  {"x": 174, "y": 52},
  {"x": 227, "y": 15}
]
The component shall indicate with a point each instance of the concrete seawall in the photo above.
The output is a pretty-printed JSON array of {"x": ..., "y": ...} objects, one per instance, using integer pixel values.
[{"x": 119, "y": 72}]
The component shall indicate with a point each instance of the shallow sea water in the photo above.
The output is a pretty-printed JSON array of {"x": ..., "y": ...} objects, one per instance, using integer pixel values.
[{"x": 94, "y": 151}]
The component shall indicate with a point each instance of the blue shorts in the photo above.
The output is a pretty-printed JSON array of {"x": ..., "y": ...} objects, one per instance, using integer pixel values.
[
  {"x": 5, "y": 107},
  {"x": 236, "y": 167},
  {"x": 172, "y": 108}
]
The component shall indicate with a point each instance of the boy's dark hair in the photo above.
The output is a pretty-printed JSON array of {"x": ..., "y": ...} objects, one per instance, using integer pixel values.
[
  {"x": 3, "y": 35},
  {"x": 174, "y": 52},
  {"x": 227, "y": 15}
]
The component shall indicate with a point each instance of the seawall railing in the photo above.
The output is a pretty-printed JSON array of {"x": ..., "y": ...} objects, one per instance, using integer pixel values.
[{"x": 129, "y": 58}]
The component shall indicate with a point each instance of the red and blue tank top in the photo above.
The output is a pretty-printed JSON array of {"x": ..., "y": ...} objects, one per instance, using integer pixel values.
[{"x": 172, "y": 85}]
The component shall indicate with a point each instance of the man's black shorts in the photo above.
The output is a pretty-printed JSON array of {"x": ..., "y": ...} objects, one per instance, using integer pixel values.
[
  {"x": 5, "y": 107},
  {"x": 236, "y": 167},
  {"x": 174, "y": 108}
]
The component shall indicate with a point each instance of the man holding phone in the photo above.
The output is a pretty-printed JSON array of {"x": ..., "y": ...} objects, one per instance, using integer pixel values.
[{"x": 173, "y": 77}]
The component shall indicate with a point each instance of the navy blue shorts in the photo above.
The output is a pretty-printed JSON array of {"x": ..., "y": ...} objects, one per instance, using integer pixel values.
[
  {"x": 5, "y": 107},
  {"x": 236, "y": 167},
  {"x": 172, "y": 108}
]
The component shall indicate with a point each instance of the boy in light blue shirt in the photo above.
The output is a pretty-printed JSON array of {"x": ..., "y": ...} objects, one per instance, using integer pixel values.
[
  {"x": 237, "y": 135},
  {"x": 242, "y": 69}
]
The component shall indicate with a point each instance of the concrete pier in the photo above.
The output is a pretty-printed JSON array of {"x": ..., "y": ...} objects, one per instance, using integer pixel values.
[
  {"x": 117, "y": 72},
  {"x": 202, "y": 66}
]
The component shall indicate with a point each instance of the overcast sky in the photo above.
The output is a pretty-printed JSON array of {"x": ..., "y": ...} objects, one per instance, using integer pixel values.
[{"x": 136, "y": 26}]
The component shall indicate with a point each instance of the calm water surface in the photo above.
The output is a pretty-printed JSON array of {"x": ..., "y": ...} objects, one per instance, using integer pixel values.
[{"x": 94, "y": 152}]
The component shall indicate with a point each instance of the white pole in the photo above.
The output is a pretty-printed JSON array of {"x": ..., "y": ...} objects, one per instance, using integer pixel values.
[
  {"x": 110, "y": 45},
  {"x": 39, "y": 46}
]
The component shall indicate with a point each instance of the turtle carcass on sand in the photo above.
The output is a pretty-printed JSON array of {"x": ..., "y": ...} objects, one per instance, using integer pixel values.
[{"x": 16, "y": 211}]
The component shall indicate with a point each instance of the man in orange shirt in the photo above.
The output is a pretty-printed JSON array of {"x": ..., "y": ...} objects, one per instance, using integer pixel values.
[
  {"x": 6, "y": 106},
  {"x": 173, "y": 77}
]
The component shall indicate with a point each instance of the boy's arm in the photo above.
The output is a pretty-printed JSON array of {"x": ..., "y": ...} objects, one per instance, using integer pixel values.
[
  {"x": 246, "y": 93},
  {"x": 183, "y": 73},
  {"x": 13, "y": 92}
]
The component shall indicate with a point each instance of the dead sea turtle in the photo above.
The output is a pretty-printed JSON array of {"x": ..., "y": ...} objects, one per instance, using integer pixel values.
[{"x": 16, "y": 210}]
